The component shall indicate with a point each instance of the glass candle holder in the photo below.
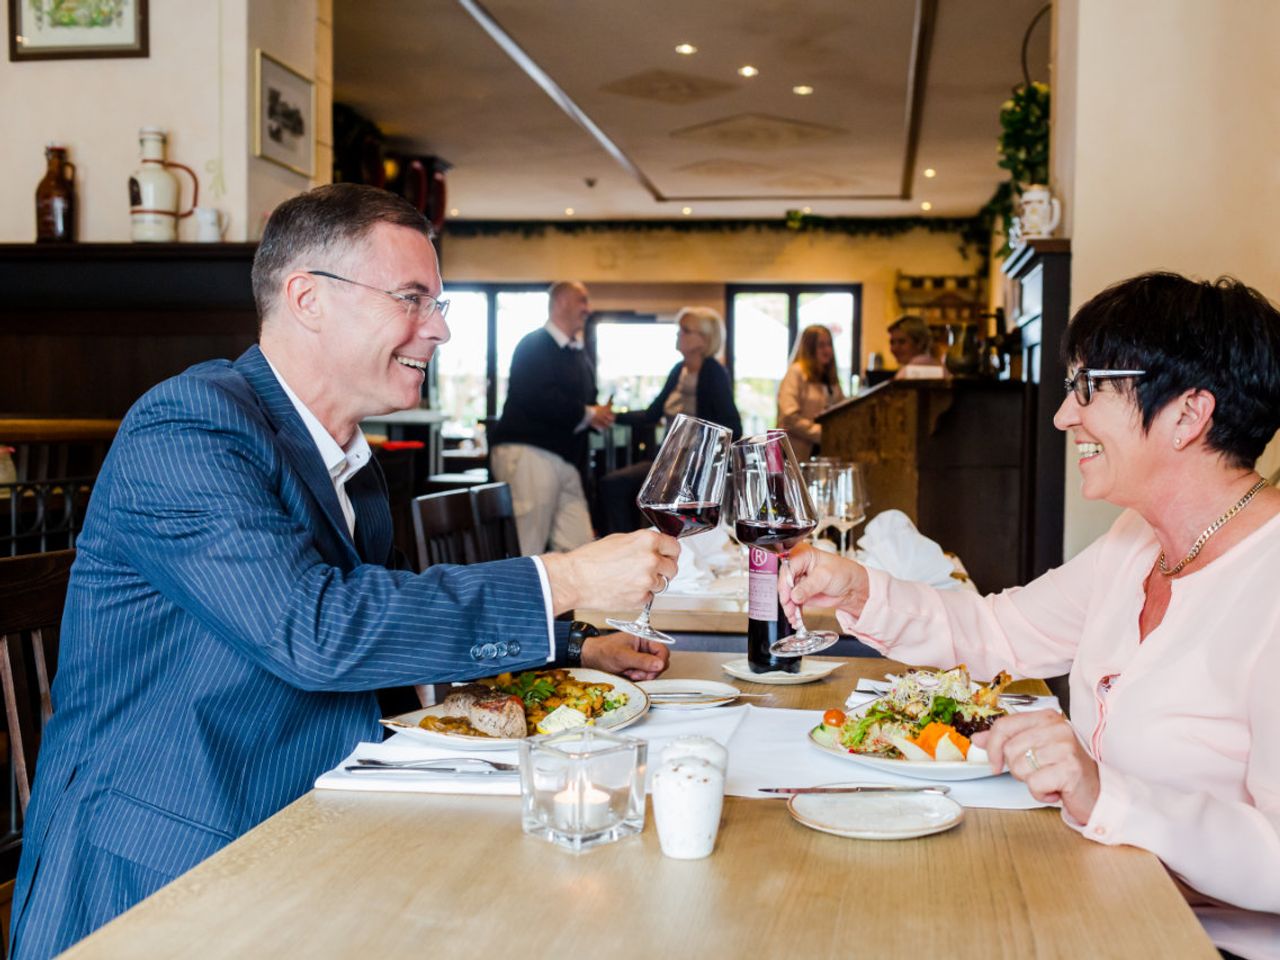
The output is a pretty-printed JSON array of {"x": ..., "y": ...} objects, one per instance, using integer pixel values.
[{"x": 582, "y": 788}]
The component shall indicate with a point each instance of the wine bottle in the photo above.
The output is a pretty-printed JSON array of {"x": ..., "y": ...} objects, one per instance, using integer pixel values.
[{"x": 766, "y": 623}]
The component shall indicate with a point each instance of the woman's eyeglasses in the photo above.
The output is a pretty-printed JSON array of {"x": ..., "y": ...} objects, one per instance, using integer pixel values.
[{"x": 1085, "y": 381}]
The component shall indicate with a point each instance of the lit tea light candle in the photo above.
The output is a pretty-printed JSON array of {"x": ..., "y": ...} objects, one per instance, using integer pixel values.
[{"x": 581, "y": 806}]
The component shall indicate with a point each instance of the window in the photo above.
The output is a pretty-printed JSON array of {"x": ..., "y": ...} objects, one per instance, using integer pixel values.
[
  {"x": 634, "y": 356},
  {"x": 461, "y": 364},
  {"x": 519, "y": 312},
  {"x": 762, "y": 327}
]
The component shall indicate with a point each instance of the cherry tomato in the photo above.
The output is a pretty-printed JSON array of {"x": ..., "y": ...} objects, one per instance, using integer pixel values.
[{"x": 833, "y": 718}]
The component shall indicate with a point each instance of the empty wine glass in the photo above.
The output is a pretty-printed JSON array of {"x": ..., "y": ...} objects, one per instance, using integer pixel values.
[
  {"x": 818, "y": 476},
  {"x": 848, "y": 500},
  {"x": 681, "y": 495},
  {"x": 775, "y": 513}
]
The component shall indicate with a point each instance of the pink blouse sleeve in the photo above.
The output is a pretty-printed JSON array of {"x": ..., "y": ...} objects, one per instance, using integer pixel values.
[{"x": 1030, "y": 631}]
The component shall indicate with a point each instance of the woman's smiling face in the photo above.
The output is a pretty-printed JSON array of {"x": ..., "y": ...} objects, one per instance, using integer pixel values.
[{"x": 1115, "y": 455}]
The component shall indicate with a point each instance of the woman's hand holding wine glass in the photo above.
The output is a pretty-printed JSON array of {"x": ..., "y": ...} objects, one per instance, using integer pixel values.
[{"x": 682, "y": 495}]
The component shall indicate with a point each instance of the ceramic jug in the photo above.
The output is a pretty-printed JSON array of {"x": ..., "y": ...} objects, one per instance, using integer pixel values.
[
  {"x": 153, "y": 191},
  {"x": 1038, "y": 212},
  {"x": 56, "y": 198}
]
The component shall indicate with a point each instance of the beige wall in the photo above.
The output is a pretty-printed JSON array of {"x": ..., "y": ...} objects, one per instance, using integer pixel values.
[
  {"x": 671, "y": 257},
  {"x": 1174, "y": 146},
  {"x": 197, "y": 83}
]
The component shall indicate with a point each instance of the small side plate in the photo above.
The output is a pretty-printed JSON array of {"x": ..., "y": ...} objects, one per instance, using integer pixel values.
[
  {"x": 811, "y": 669},
  {"x": 716, "y": 694},
  {"x": 876, "y": 816}
]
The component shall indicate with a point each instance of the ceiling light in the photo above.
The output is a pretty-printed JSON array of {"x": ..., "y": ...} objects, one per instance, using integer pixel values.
[
  {"x": 568, "y": 211},
  {"x": 803, "y": 90},
  {"x": 686, "y": 49},
  {"x": 686, "y": 210},
  {"x": 926, "y": 205},
  {"x": 453, "y": 212},
  {"x": 806, "y": 209},
  {"x": 930, "y": 172},
  {"x": 748, "y": 71}
]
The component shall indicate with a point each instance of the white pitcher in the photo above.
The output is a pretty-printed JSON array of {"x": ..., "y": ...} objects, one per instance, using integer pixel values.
[
  {"x": 153, "y": 191},
  {"x": 1038, "y": 212}
]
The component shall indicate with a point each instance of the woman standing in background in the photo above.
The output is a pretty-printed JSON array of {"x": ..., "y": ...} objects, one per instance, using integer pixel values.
[{"x": 809, "y": 387}]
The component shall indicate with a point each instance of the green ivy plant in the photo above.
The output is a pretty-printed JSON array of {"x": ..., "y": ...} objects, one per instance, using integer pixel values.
[{"x": 1023, "y": 149}]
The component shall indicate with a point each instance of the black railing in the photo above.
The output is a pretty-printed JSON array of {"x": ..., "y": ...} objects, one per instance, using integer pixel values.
[{"x": 42, "y": 515}]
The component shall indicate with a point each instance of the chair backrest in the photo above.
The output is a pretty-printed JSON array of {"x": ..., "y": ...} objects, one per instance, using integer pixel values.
[
  {"x": 444, "y": 527},
  {"x": 33, "y": 590},
  {"x": 496, "y": 537}
]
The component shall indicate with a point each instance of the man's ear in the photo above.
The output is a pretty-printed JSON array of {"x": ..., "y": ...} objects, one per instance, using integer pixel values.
[{"x": 300, "y": 298}]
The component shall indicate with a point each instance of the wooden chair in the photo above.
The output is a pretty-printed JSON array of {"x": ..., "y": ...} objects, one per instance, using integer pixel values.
[
  {"x": 444, "y": 528},
  {"x": 33, "y": 590},
  {"x": 496, "y": 537}
]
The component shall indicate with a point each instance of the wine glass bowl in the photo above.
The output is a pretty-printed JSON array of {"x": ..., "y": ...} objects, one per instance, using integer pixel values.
[
  {"x": 682, "y": 494},
  {"x": 774, "y": 513}
]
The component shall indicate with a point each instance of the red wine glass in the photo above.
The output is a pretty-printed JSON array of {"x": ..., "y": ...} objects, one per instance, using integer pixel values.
[
  {"x": 774, "y": 513},
  {"x": 681, "y": 495}
]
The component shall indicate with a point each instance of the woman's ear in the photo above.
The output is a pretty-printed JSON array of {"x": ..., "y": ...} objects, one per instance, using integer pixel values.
[{"x": 1194, "y": 417}]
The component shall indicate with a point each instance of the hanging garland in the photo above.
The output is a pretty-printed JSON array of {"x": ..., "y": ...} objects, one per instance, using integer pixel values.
[{"x": 973, "y": 235}]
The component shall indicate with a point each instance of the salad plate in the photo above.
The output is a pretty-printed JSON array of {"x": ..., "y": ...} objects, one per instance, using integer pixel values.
[
  {"x": 975, "y": 767},
  {"x": 811, "y": 669},
  {"x": 637, "y": 706},
  {"x": 876, "y": 816}
]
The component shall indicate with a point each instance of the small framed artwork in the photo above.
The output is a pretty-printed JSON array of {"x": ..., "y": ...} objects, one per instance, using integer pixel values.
[
  {"x": 284, "y": 115},
  {"x": 76, "y": 29}
]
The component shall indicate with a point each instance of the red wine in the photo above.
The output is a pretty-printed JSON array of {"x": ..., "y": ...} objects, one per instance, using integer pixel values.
[
  {"x": 776, "y": 536},
  {"x": 766, "y": 623},
  {"x": 683, "y": 519}
]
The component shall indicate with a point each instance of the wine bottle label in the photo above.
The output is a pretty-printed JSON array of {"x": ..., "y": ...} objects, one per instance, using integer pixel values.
[{"x": 762, "y": 585}]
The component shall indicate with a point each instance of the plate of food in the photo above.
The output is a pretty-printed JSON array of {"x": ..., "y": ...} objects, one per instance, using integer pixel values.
[
  {"x": 496, "y": 713},
  {"x": 920, "y": 728},
  {"x": 811, "y": 669}
]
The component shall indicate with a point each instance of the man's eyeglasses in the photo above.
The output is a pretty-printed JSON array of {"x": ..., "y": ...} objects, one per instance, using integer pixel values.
[
  {"x": 1085, "y": 381},
  {"x": 420, "y": 305}
]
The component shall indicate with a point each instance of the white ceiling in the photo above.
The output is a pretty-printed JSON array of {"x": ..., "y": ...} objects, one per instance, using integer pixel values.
[{"x": 697, "y": 134}]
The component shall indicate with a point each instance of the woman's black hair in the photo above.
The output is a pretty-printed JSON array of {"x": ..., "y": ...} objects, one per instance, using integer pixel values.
[{"x": 1222, "y": 337}]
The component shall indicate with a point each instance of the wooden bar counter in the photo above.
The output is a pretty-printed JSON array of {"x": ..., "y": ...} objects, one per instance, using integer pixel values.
[{"x": 408, "y": 875}]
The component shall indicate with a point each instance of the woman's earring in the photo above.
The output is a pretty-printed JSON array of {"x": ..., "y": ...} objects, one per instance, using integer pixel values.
[{"x": 1177, "y": 441}]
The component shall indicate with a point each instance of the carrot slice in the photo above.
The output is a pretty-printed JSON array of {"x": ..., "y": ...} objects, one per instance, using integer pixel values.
[{"x": 927, "y": 739}]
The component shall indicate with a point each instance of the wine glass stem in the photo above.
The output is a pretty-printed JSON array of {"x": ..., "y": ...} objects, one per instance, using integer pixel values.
[
  {"x": 801, "y": 630},
  {"x": 642, "y": 621}
]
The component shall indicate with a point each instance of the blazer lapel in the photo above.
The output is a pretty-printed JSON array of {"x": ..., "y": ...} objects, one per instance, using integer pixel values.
[
  {"x": 299, "y": 449},
  {"x": 368, "y": 492}
]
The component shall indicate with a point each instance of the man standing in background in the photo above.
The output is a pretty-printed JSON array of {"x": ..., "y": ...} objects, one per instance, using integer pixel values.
[{"x": 539, "y": 446}]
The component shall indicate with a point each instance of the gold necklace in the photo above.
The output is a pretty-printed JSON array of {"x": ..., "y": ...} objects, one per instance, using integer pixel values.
[{"x": 1209, "y": 531}]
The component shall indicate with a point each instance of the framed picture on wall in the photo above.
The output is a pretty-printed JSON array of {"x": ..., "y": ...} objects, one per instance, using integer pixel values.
[
  {"x": 75, "y": 29},
  {"x": 284, "y": 114}
]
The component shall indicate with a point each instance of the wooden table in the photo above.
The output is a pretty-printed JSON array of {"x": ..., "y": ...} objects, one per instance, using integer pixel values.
[{"x": 408, "y": 875}]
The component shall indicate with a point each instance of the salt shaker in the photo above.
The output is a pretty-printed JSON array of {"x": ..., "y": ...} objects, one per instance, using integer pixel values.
[
  {"x": 688, "y": 793},
  {"x": 704, "y": 748}
]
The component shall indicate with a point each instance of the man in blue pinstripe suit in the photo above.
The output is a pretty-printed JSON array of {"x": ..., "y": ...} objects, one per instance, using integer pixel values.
[{"x": 233, "y": 602}]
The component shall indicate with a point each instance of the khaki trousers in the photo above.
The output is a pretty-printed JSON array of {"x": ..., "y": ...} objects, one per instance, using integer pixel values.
[{"x": 546, "y": 493}]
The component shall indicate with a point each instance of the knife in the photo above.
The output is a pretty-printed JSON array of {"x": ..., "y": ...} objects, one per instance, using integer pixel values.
[
  {"x": 452, "y": 771},
  {"x": 793, "y": 791}
]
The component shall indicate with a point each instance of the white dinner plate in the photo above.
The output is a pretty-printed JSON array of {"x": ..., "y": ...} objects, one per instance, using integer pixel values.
[
  {"x": 637, "y": 706},
  {"x": 810, "y": 670},
  {"x": 876, "y": 816},
  {"x": 972, "y": 769},
  {"x": 705, "y": 694}
]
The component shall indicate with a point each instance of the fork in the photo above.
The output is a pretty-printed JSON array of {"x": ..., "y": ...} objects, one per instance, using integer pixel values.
[{"x": 491, "y": 764}]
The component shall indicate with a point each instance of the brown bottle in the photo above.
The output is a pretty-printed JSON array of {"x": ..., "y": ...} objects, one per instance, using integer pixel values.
[{"x": 56, "y": 198}]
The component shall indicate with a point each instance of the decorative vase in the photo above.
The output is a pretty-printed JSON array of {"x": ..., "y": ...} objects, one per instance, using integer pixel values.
[
  {"x": 964, "y": 357},
  {"x": 1038, "y": 213},
  {"x": 56, "y": 198},
  {"x": 153, "y": 191}
]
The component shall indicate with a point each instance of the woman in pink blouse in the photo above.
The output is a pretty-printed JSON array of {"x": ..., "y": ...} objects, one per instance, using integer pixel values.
[{"x": 1169, "y": 623}]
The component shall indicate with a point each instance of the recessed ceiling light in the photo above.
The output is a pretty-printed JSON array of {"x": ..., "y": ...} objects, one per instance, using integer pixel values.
[
  {"x": 748, "y": 71},
  {"x": 453, "y": 212},
  {"x": 930, "y": 172},
  {"x": 926, "y": 205},
  {"x": 568, "y": 211},
  {"x": 806, "y": 210},
  {"x": 686, "y": 49},
  {"x": 803, "y": 90},
  {"x": 686, "y": 210}
]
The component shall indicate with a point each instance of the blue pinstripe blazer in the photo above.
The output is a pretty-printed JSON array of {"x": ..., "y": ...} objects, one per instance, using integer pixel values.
[{"x": 221, "y": 638}]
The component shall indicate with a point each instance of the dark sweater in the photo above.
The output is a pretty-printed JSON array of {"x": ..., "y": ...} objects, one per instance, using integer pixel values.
[
  {"x": 547, "y": 396},
  {"x": 714, "y": 399}
]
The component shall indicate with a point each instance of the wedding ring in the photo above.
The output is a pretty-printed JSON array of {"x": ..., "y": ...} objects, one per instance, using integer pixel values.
[
  {"x": 1032, "y": 758},
  {"x": 665, "y": 583}
]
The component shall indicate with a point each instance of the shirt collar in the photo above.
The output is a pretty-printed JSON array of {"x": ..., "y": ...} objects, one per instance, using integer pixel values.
[
  {"x": 341, "y": 463},
  {"x": 561, "y": 338}
]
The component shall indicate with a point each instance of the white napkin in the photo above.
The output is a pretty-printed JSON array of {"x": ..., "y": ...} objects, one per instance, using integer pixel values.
[
  {"x": 771, "y": 749},
  {"x": 710, "y": 563},
  {"x": 892, "y": 543},
  {"x": 401, "y": 747}
]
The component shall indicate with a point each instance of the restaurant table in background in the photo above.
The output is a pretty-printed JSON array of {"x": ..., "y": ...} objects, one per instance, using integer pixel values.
[{"x": 340, "y": 874}]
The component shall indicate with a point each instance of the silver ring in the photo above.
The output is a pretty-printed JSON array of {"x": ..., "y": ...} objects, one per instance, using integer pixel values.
[
  {"x": 665, "y": 583},
  {"x": 1032, "y": 758}
]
